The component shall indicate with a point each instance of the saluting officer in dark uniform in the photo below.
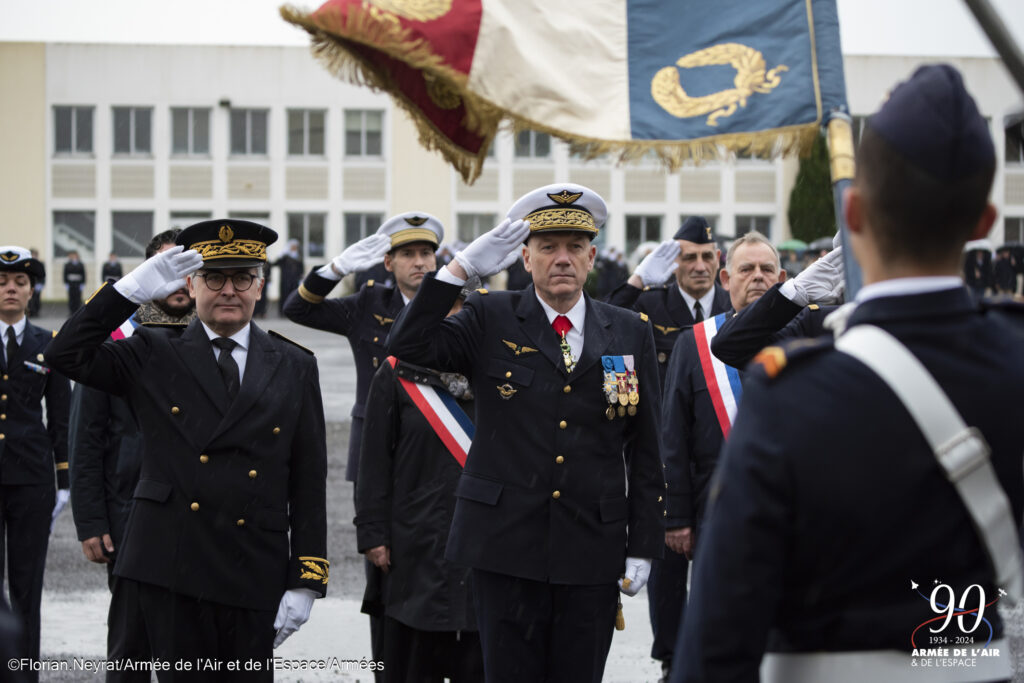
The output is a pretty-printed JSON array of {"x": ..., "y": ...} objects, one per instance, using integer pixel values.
[
  {"x": 692, "y": 256},
  {"x": 30, "y": 450},
  {"x": 829, "y": 505},
  {"x": 562, "y": 492},
  {"x": 794, "y": 309},
  {"x": 406, "y": 243},
  {"x": 228, "y": 527}
]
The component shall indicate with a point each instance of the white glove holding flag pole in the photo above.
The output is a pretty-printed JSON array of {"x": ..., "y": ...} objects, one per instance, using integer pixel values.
[
  {"x": 490, "y": 252},
  {"x": 159, "y": 276},
  {"x": 819, "y": 283},
  {"x": 292, "y": 613},
  {"x": 659, "y": 265},
  {"x": 363, "y": 255},
  {"x": 635, "y": 577},
  {"x": 63, "y": 496}
]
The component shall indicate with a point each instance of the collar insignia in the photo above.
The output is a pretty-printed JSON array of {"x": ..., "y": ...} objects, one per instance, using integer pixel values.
[{"x": 664, "y": 329}]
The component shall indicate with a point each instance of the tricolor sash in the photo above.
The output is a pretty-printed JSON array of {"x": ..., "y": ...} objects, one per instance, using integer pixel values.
[
  {"x": 126, "y": 329},
  {"x": 449, "y": 421},
  {"x": 723, "y": 380}
]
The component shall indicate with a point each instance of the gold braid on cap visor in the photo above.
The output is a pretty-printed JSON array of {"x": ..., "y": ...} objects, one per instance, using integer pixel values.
[
  {"x": 240, "y": 249},
  {"x": 414, "y": 235},
  {"x": 559, "y": 218}
]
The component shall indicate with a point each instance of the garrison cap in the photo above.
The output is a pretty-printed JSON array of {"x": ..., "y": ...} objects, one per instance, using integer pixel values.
[
  {"x": 413, "y": 226},
  {"x": 561, "y": 207},
  {"x": 695, "y": 229},
  {"x": 19, "y": 260},
  {"x": 228, "y": 242},
  {"x": 932, "y": 121}
]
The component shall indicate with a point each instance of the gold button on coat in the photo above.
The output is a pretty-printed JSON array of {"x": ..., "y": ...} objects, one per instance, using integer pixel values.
[
  {"x": 559, "y": 460},
  {"x": 3, "y": 416},
  {"x": 1, "y": 437},
  {"x": 507, "y": 374},
  {"x": 240, "y": 522},
  {"x": 566, "y": 389},
  {"x": 277, "y": 430},
  {"x": 194, "y": 506},
  {"x": 252, "y": 474},
  {"x": 175, "y": 410},
  {"x": 3, "y": 397},
  {"x": 204, "y": 458},
  {"x": 563, "y": 424},
  {"x": 556, "y": 495}
]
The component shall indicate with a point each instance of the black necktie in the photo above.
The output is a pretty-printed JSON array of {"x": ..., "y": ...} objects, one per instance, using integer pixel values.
[
  {"x": 227, "y": 365},
  {"x": 698, "y": 312},
  {"x": 12, "y": 345}
]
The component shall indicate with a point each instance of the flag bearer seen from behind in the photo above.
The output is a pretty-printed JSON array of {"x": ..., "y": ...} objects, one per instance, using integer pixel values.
[
  {"x": 226, "y": 539},
  {"x": 844, "y": 504},
  {"x": 562, "y": 493}
]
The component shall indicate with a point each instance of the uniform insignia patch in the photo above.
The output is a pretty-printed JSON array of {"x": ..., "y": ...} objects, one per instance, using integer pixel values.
[
  {"x": 565, "y": 197},
  {"x": 382, "y": 320},
  {"x": 280, "y": 336},
  {"x": 369, "y": 283},
  {"x": 481, "y": 291},
  {"x": 665, "y": 329},
  {"x": 226, "y": 234},
  {"x": 9, "y": 256},
  {"x": 506, "y": 391},
  {"x": 314, "y": 568},
  {"x": 772, "y": 359},
  {"x": 416, "y": 220},
  {"x": 814, "y": 307},
  {"x": 643, "y": 316},
  {"x": 519, "y": 350}
]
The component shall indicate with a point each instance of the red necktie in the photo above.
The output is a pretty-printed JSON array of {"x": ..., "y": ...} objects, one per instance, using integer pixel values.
[{"x": 561, "y": 325}]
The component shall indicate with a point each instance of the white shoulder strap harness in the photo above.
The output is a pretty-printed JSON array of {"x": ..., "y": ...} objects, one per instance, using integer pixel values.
[{"x": 964, "y": 456}]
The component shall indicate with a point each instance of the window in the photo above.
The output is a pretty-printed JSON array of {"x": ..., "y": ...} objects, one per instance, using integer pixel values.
[
  {"x": 190, "y": 131},
  {"x": 472, "y": 225},
  {"x": 308, "y": 229},
  {"x": 532, "y": 145},
  {"x": 763, "y": 224},
  {"x": 305, "y": 132},
  {"x": 131, "y": 231},
  {"x": 360, "y": 225},
  {"x": 1013, "y": 229},
  {"x": 363, "y": 131},
  {"x": 73, "y": 126},
  {"x": 132, "y": 130},
  {"x": 1015, "y": 142},
  {"x": 74, "y": 231},
  {"x": 249, "y": 131},
  {"x": 641, "y": 229},
  {"x": 183, "y": 219}
]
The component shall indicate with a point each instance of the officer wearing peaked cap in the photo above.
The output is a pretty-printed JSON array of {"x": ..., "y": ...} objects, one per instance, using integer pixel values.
[
  {"x": 562, "y": 492},
  {"x": 31, "y": 449},
  {"x": 406, "y": 243},
  {"x": 226, "y": 542},
  {"x": 692, "y": 296},
  {"x": 836, "y": 583}
]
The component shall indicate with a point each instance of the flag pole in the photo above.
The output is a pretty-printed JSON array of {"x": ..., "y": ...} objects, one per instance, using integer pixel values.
[
  {"x": 1000, "y": 37},
  {"x": 840, "y": 153}
]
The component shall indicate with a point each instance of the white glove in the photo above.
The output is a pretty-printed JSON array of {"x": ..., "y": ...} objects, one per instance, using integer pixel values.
[
  {"x": 293, "y": 612},
  {"x": 158, "y": 276},
  {"x": 485, "y": 255},
  {"x": 363, "y": 255},
  {"x": 63, "y": 495},
  {"x": 637, "y": 571},
  {"x": 659, "y": 265},
  {"x": 819, "y": 283}
]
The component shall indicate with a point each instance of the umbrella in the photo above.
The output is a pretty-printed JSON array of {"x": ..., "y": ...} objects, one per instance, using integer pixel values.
[
  {"x": 979, "y": 245},
  {"x": 792, "y": 245}
]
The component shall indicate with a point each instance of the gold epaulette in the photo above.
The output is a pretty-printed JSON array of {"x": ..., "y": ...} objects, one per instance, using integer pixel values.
[
  {"x": 280, "y": 336},
  {"x": 643, "y": 316},
  {"x": 370, "y": 283},
  {"x": 771, "y": 359}
]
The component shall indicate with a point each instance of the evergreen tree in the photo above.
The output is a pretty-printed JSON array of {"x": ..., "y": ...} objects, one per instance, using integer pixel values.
[{"x": 811, "y": 211}]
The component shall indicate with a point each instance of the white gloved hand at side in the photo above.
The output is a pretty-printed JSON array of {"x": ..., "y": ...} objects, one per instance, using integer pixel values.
[
  {"x": 489, "y": 253},
  {"x": 63, "y": 496},
  {"x": 819, "y": 283},
  {"x": 159, "y": 276},
  {"x": 637, "y": 572},
  {"x": 363, "y": 255},
  {"x": 659, "y": 265},
  {"x": 292, "y": 613}
]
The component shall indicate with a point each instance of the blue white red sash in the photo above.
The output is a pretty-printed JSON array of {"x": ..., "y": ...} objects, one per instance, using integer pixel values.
[
  {"x": 723, "y": 380},
  {"x": 126, "y": 329},
  {"x": 449, "y": 421}
]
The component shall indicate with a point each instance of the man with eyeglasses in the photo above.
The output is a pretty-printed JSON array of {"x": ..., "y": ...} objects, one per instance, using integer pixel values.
[{"x": 226, "y": 542}]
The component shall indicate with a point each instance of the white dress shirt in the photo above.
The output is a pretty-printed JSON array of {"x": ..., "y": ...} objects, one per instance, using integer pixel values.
[
  {"x": 239, "y": 353},
  {"x": 576, "y": 315},
  {"x": 19, "y": 333},
  {"x": 706, "y": 301}
]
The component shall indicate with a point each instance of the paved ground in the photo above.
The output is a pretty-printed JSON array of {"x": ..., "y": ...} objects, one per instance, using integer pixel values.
[{"x": 75, "y": 596}]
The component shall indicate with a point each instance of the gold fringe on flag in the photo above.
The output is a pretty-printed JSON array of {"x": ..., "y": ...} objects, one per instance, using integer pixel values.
[{"x": 345, "y": 45}]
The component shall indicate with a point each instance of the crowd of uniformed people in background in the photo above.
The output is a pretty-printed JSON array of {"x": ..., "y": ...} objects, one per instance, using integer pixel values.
[{"x": 524, "y": 458}]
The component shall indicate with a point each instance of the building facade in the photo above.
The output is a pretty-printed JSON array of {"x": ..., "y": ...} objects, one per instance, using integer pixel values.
[{"x": 105, "y": 145}]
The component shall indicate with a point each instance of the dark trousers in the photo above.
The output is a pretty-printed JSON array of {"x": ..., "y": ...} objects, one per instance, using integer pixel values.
[
  {"x": 74, "y": 297},
  {"x": 127, "y": 638},
  {"x": 25, "y": 513},
  {"x": 666, "y": 591},
  {"x": 542, "y": 632},
  {"x": 413, "y": 656},
  {"x": 184, "y": 630}
]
